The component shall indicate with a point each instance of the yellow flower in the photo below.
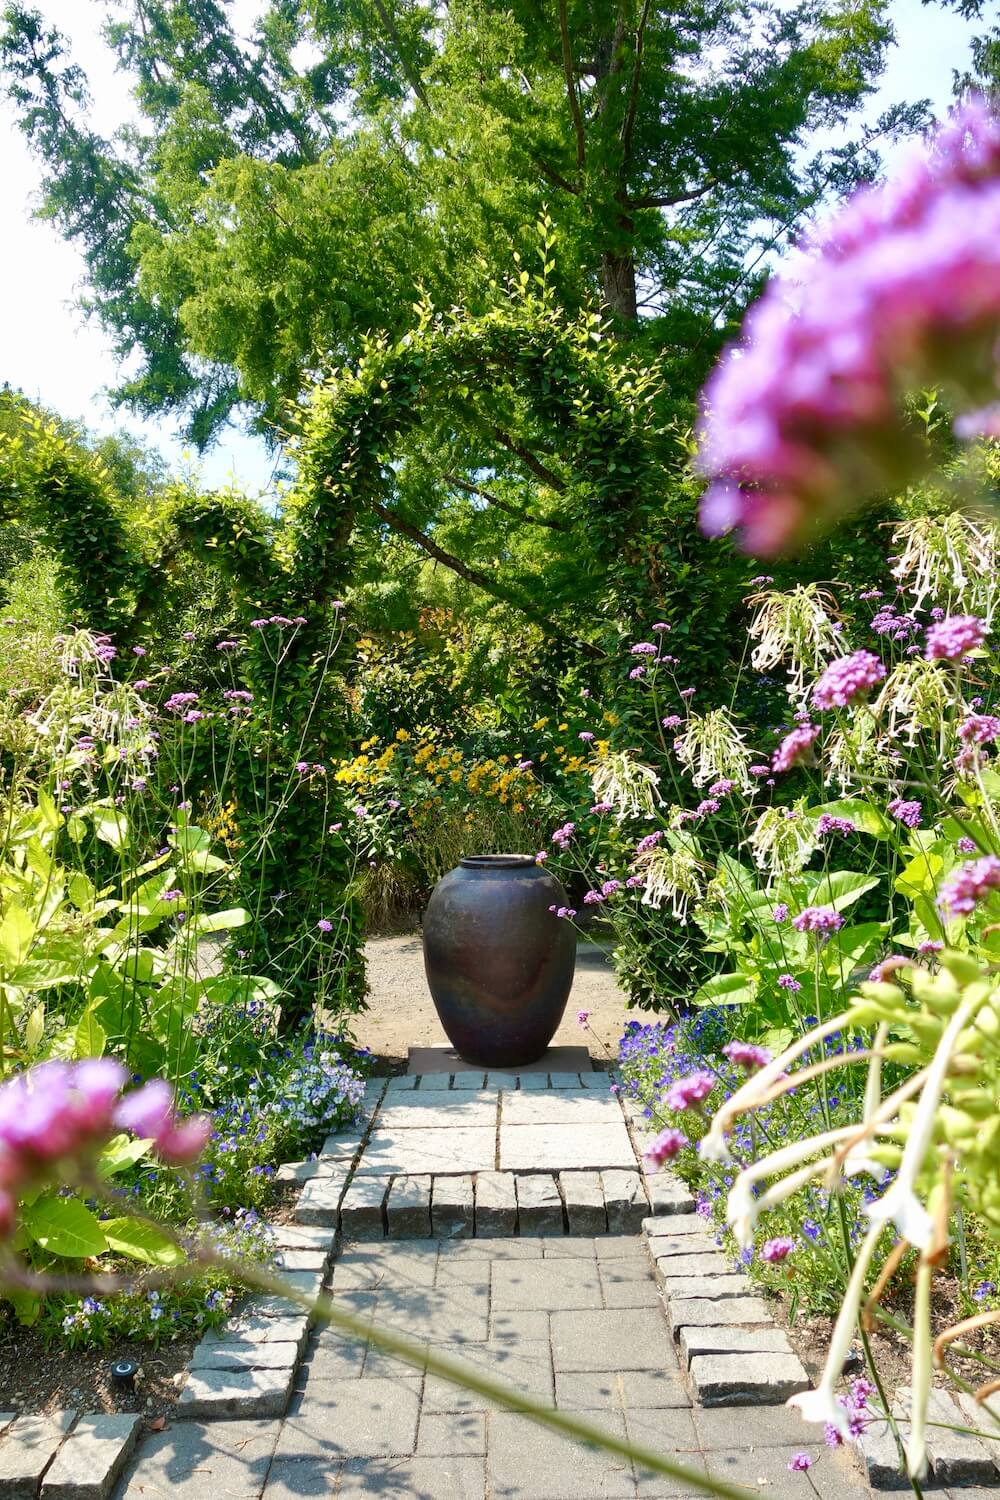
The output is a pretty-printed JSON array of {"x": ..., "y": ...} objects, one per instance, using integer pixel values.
[
  {"x": 562, "y": 727},
  {"x": 539, "y": 724},
  {"x": 402, "y": 735},
  {"x": 612, "y": 719}
]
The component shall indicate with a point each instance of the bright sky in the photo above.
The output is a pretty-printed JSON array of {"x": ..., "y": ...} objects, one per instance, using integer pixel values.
[{"x": 53, "y": 354}]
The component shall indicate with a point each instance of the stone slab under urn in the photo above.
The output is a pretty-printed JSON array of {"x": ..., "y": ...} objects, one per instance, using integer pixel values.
[{"x": 499, "y": 962}]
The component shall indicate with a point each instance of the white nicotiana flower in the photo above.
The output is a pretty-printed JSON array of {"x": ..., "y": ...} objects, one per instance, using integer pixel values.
[
  {"x": 794, "y": 627},
  {"x": 631, "y": 788},
  {"x": 857, "y": 753},
  {"x": 711, "y": 748},
  {"x": 743, "y": 1209},
  {"x": 949, "y": 560},
  {"x": 821, "y": 1404},
  {"x": 901, "y": 1204},
  {"x": 915, "y": 696},
  {"x": 671, "y": 875},
  {"x": 784, "y": 839}
]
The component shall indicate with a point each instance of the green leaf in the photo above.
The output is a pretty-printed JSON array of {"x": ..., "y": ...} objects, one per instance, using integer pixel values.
[
  {"x": 90, "y": 1038},
  {"x": 922, "y": 875},
  {"x": 110, "y": 826},
  {"x": 840, "y": 888},
  {"x": 34, "y": 1028},
  {"x": 733, "y": 989},
  {"x": 121, "y": 1152},
  {"x": 65, "y": 1226},
  {"x": 861, "y": 813},
  {"x": 140, "y": 1241},
  {"x": 17, "y": 932},
  {"x": 221, "y": 921},
  {"x": 27, "y": 1306}
]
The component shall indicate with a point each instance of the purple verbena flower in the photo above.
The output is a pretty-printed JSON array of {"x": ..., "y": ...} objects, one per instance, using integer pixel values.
[
  {"x": 668, "y": 1144},
  {"x": 777, "y": 1250},
  {"x": 821, "y": 919},
  {"x": 687, "y": 1093},
  {"x": 908, "y": 813},
  {"x": 746, "y": 1054},
  {"x": 847, "y": 679},
  {"x": 954, "y": 637},
  {"x": 968, "y": 885}
]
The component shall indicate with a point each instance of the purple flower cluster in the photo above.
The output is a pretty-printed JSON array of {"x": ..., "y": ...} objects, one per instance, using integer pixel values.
[
  {"x": 828, "y": 823},
  {"x": 668, "y": 1144},
  {"x": 979, "y": 729},
  {"x": 643, "y": 648},
  {"x": 847, "y": 679},
  {"x": 689, "y": 1092},
  {"x": 908, "y": 813},
  {"x": 60, "y": 1110},
  {"x": 777, "y": 1250},
  {"x": 746, "y": 1055},
  {"x": 562, "y": 836},
  {"x": 968, "y": 885},
  {"x": 955, "y": 637},
  {"x": 904, "y": 281},
  {"x": 821, "y": 919},
  {"x": 794, "y": 748}
]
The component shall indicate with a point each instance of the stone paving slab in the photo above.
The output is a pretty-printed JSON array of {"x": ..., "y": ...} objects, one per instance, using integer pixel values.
[
  {"x": 496, "y": 1204},
  {"x": 708, "y": 1312},
  {"x": 408, "y": 1208},
  {"x": 583, "y": 1194},
  {"x": 539, "y": 1206},
  {"x": 438, "y": 1111},
  {"x": 453, "y": 1211},
  {"x": 320, "y": 1199},
  {"x": 625, "y": 1199},
  {"x": 202, "y": 1461},
  {"x": 27, "y": 1448},
  {"x": 558, "y": 1148},
  {"x": 244, "y": 1356},
  {"x": 742, "y": 1379},
  {"x": 415, "y": 1151},
  {"x": 955, "y": 1457},
  {"x": 92, "y": 1457},
  {"x": 568, "y": 1106},
  {"x": 715, "y": 1340},
  {"x": 236, "y": 1393}
]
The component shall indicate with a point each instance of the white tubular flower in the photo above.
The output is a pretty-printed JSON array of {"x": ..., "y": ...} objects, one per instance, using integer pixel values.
[
  {"x": 952, "y": 556},
  {"x": 796, "y": 627},
  {"x": 743, "y": 1209},
  {"x": 630, "y": 787},
  {"x": 900, "y": 1203},
  {"x": 920, "y": 1373},
  {"x": 821, "y": 1405},
  {"x": 857, "y": 1159},
  {"x": 712, "y": 1146},
  {"x": 712, "y": 748}
]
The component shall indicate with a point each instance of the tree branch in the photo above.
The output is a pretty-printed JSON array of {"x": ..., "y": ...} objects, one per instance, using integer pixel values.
[
  {"x": 668, "y": 200},
  {"x": 409, "y": 71},
  {"x": 628, "y": 123},
  {"x": 556, "y": 178},
  {"x": 571, "y": 94},
  {"x": 479, "y": 580},
  {"x": 528, "y": 459},
  {"x": 505, "y": 505}
]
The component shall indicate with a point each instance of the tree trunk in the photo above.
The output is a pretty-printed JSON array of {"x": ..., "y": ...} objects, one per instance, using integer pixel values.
[{"x": 618, "y": 285}]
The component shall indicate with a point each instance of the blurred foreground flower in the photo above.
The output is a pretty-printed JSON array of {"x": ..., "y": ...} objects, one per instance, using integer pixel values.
[{"x": 901, "y": 292}]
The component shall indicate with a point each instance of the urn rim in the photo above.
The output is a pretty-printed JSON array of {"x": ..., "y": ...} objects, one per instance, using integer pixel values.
[{"x": 497, "y": 861}]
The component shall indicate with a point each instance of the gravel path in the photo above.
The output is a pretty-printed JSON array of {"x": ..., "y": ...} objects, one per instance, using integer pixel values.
[{"x": 401, "y": 1012}]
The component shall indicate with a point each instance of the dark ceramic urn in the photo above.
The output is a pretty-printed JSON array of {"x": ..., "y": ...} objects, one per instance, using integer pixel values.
[{"x": 499, "y": 962}]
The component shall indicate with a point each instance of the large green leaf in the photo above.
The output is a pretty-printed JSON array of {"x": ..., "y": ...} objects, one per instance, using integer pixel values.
[
  {"x": 221, "y": 921},
  {"x": 141, "y": 1241},
  {"x": 861, "y": 813},
  {"x": 121, "y": 1152},
  {"x": 922, "y": 875},
  {"x": 110, "y": 826},
  {"x": 17, "y": 933},
  {"x": 90, "y": 1038},
  {"x": 840, "y": 888},
  {"x": 729, "y": 989},
  {"x": 65, "y": 1226}
]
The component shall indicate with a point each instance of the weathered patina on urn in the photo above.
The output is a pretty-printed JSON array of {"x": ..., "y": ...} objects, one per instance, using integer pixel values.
[{"x": 499, "y": 962}]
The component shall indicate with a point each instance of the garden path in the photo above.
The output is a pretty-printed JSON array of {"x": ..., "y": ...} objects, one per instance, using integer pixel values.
[
  {"x": 576, "y": 1320},
  {"x": 401, "y": 1013}
]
